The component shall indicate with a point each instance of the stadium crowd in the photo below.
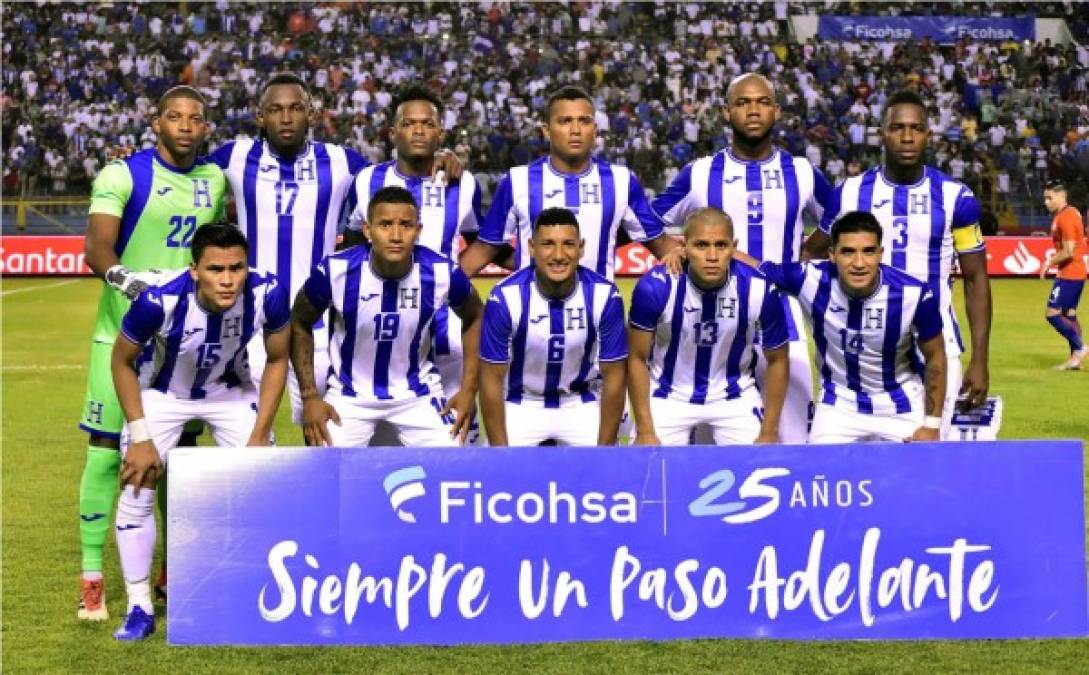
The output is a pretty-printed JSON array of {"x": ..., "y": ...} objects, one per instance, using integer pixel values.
[{"x": 79, "y": 80}]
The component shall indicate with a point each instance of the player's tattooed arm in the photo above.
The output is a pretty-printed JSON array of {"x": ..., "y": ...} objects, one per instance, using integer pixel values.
[
  {"x": 316, "y": 412},
  {"x": 463, "y": 402},
  {"x": 977, "y": 303},
  {"x": 639, "y": 344},
  {"x": 273, "y": 381},
  {"x": 491, "y": 402},
  {"x": 613, "y": 390},
  {"x": 142, "y": 465},
  {"x": 776, "y": 378},
  {"x": 933, "y": 385}
]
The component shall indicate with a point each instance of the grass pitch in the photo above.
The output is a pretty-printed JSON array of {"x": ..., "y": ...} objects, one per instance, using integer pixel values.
[{"x": 46, "y": 326}]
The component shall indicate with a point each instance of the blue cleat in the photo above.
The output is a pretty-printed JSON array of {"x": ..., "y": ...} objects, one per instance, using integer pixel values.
[{"x": 138, "y": 625}]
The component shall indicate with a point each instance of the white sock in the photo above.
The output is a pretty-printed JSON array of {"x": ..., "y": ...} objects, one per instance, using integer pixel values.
[{"x": 136, "y": 536}]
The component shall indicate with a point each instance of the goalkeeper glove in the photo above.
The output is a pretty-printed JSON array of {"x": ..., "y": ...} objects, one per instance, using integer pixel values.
[{"x": 132, "y": 284}]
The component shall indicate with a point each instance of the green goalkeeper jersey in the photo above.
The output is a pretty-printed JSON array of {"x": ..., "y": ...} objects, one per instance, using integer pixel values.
[{"x": 160, "y": 207}]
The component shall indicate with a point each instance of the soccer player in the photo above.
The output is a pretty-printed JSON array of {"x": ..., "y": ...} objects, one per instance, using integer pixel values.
[
  {"x": 697, "y": 332},
  {"x": 198, "y": 324},
  {"x": 447, "y": 210},
  {"x": 385, "y": 295},
  {"x": 290, "y": 193},
  {"x": 604, "y": 196},
  {"x": 767, "y": 192},
  {"x": 144, "y": 212},
  {"x": 1069, "y": 261},
  {"x": 929, "y": 218},
  {"x": 554, "y": 335},
  {"x": 868, "y": 320}
]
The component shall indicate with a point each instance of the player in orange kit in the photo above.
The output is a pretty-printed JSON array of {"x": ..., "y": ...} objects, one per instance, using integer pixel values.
[{"x": 1069, "y": 262}]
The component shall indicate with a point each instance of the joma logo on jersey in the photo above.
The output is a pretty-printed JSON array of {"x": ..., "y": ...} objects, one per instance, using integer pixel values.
[
  {"x": 875, "y": 317},
  {"x": 410, "y": 298},
  {"x": 202, "y": 193}
]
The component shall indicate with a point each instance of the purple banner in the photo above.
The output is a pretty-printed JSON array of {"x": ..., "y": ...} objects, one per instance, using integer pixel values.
[
  {"x": 940, "y": 29},
  {"x": 455, "y": 546}
]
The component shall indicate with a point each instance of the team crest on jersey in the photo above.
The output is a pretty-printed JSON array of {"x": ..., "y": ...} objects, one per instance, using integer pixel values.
[
  {"x": 432, "y": 196},
  {"x": 875, "y": 318},
  {"x": 410, "y": 298},
  {"x": 773, "y": 179},
  {"x": 590, "y": 193},
  {"x": 304, "y": 170},
  {"x": 919, "y": 204},
  {"x": 202, "y": 193},
  {"x": 727, "y": 308}
]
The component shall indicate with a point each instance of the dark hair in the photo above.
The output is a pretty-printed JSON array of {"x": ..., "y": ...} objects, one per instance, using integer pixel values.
[
  {"x": 391, "y": 194},
  {"x": 221, "y": 235},
  {"x": 856, "y": 221},
  {"x": 414, "y": 92},
  {"x": 901, "y": 97},
  {"x": 566, "y": 93},
  {"x": 180, "y": 91},
  {"x": 556, "y": 215},
  {"x": 284, "y": 77},
  {"x": 1056, "y": 184}
]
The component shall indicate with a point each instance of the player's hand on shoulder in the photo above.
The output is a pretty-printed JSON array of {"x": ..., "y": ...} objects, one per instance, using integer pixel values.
[
  {"x": 447, "y": 164},
  {"x": 316, "y": 413},
  {"x": 674, "y": 260},
  {"x": 463, "y": 405},
  {"x": 925, "y": 435}
]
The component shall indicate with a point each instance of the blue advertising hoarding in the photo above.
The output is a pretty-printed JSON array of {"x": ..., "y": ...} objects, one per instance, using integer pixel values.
[
  {"x": 940, "y": 29},
  {"x": 479, "y": 545}
]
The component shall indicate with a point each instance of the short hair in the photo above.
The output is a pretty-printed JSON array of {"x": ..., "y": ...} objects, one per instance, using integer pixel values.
[
  {"x": 745, "y": 76},
  {"x": 1055, "y": 185},
  {"x": 180, "y": 91},
  {"x": 284, "y": 77},
  {"x": 411, "y": 93},
  {"x": 855, "y": 221},
  {"x": 566, "y": 93},
  {"x": 707, "y": 212},
  {"x": 223, "y": 234},
  {"x": 556, "y": 215},
  {"x": 901, "y": 97},
  {"x": 391, "y": 194}
]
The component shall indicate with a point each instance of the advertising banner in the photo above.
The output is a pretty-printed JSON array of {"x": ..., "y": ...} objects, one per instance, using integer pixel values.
[
  {"x": 60, "y": 255},
  {"x": 940, "y": 29},
  {"x": 479, "y": 545}
]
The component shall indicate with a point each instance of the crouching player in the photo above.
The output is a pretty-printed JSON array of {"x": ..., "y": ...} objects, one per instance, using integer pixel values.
[
  {"x": 385, "y": 295},
  {"x": 692, "y": 344},
  {"x": 198, "y": 324},
  {"x": 554, "y": 336},
  {"x": 868, "y": 319}
]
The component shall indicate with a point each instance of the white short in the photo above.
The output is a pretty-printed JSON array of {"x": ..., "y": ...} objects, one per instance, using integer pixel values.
[
  {"x": 416, "y": 421},
  {"x": 449, "y": 367},
  {"x": 735, "y": 422},
  {"x": 257, "y": 358},
  {"x": 836, "y": 425},
  {"x": 230, "y": 416},
  {"x": 794, "y": 420},
  {"x": 571, "y": 425}
]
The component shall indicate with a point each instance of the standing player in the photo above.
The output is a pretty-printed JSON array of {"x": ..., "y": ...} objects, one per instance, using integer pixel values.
[
  {"x": 868, "y": 320},
  {"x": 554, "y": 333},
  {"x": 384, "y": 297},
  {"x": 604, "y": 196},
  {"x": 697, "y": 332},
  {"x": 768, "y": 191},
  {"x": 929, "y": 217},
  {"x": 1069, "y": 262},
  {"x": 290, "y": 193},
  {"x": 144, "y": 213},
  {"x": 447, "y": 210},
  {"x": 199, "y": 323}
]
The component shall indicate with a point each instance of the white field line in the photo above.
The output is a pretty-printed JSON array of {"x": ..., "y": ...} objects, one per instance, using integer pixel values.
[
  {"x": 55, "y": 284},
  {"x": 35, "y": 368}
]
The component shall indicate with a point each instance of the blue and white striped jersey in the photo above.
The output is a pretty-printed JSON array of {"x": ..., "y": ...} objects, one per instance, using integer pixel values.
[
  {"x": 924, "y": 225},
  {"x": 866, "y": 347},
  {"x": 197, "y": 354},
  {"x": 605, "y": 197},
  {"x": 766, "y": 199},
  {"x": 289, "y": 209},
  {"x": 703, "y": 340},
  {"x": 445, "y": 210},
  {"x": 553, "y": 347},
  {"x": 379, "y": 339}
]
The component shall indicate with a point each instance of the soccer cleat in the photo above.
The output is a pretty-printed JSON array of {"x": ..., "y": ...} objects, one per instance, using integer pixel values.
[
  {"x": 160, "y": 584},
  {"x": 92, "y": 600},
  {"x": 1077, "y": 357},
  {"x": 138, "y": 625}
]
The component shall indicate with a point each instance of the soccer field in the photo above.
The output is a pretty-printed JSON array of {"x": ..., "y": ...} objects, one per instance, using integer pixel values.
[{"x": 46, "y": 326}]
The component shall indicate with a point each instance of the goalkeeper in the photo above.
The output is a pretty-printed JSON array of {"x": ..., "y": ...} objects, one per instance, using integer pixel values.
[{"x": 144, "y": 211}]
